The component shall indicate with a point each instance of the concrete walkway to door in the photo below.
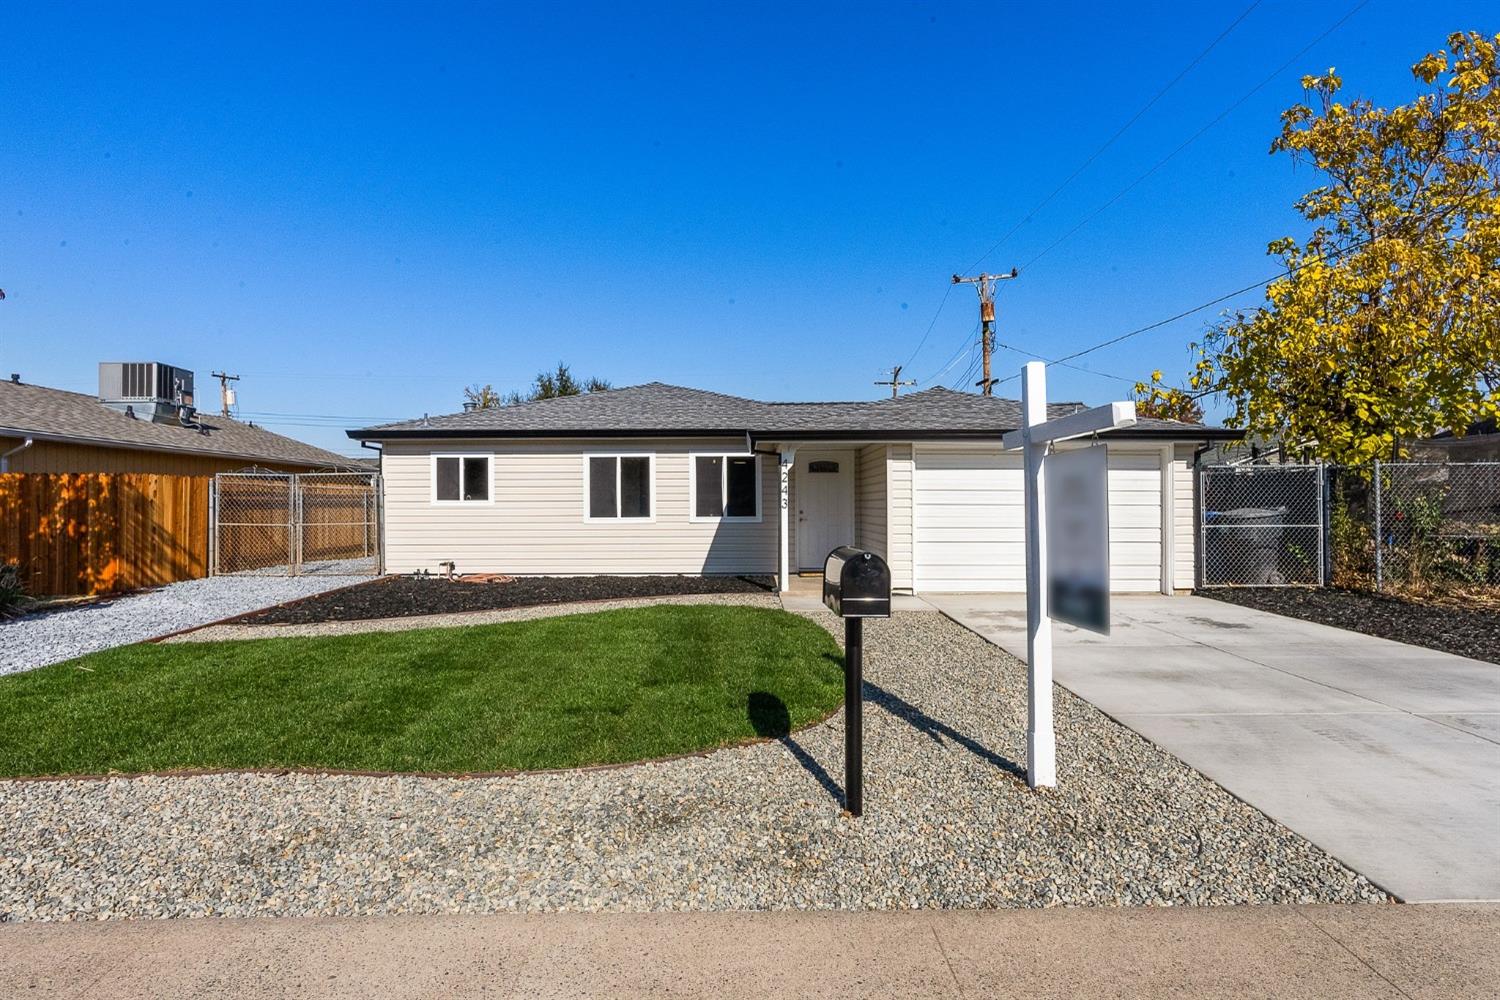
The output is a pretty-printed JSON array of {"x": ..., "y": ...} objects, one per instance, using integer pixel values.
[{"x": 1385, "y": 755}]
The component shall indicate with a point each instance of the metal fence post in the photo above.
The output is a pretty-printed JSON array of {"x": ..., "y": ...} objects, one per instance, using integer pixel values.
[
  {"x": 213, "y": 526},
  {"x": 293, "y": 526},
  {"x": 1323, "y": 525},
  {"x": 1202, "y": 559},
  {"x": 1379, "y": 533}
]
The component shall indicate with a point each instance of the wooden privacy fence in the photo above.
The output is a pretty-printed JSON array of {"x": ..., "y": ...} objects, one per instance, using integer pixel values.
[{"x": 95, "y": 533}]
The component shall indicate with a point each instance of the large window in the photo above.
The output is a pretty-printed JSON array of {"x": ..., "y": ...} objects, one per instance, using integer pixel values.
[
  {"x": 726, "y": 487},
  {"x": 461, "y": 478},
  {"x": 618, "y": 486}
]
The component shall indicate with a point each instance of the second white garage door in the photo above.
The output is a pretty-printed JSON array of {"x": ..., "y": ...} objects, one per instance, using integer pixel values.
[{"x": 968, "y": 527}]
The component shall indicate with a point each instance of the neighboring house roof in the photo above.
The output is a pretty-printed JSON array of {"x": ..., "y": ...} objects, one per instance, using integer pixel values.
[
  {"x": 57, "y": 415},
  {"x": 658, "y": 410}
]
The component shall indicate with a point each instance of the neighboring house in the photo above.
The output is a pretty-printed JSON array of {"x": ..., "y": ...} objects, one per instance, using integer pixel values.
[
  {"x": 663, "y": 479},
  {"x": 1479, "y": 443},
  {"x": 141, "y": 421}
]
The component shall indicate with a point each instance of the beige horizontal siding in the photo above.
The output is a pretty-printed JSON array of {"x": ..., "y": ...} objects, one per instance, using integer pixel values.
[{"x": 536, "y": 526}]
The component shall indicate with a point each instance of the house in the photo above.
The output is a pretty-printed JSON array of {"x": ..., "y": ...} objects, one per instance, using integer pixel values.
[
  {"x": 142, "y": 420},
  {"x": 664, "y": 479}
]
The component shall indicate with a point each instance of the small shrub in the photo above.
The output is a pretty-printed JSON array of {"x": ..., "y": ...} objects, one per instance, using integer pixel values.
[
  {"x": 1352, "y": 540},
  {"x": 12, "y": 593}
]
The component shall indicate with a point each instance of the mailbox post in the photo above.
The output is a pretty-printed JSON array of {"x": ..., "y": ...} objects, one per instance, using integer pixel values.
[{"x": 856, "y": 586}]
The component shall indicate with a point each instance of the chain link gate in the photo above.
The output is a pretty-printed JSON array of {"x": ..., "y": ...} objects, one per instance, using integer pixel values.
[
  {"x": 1262, "y": 525},
  {"x": 296, "y": 524}
]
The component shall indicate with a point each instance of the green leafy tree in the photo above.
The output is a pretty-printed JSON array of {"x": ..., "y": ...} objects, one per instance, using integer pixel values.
[
  {"x": 551, "y": 385},
  {"x": 1386, "y": 326},
  {"x": 1154, "y": 399}
]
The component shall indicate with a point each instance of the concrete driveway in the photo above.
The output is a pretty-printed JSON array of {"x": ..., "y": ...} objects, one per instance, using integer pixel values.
[{"x": 1385, "y": 755}]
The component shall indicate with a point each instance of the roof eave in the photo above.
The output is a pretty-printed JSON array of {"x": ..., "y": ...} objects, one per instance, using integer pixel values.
[
  {"x": 163, "y": 449},
  {"x": 908, "y": 434}
]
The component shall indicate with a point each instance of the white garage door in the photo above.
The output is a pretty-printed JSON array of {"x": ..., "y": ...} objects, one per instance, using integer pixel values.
[{"x": 969, "y": 530}]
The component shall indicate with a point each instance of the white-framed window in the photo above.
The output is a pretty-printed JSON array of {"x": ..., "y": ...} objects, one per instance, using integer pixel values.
[
  {"x": 724, "y": 486},
  {"x": 463, "y": 477},
  {"x": 619, "y": 487}
]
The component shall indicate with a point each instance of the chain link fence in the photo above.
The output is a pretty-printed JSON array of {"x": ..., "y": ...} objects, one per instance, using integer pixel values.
[
  {"x": 1262, "y": 525},
  {"x": 1414, "y": 527},
  {"x": 1436, "y": 526},
  {"x": 286, "y": 524}
]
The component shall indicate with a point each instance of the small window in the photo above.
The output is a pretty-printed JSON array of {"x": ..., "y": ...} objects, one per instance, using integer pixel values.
[
  {"x": 726, "y": 486},
  {"x": 822, "y": 465},
  {"x": 619, "y": 486},
  {"x": 461, "y": 478}
]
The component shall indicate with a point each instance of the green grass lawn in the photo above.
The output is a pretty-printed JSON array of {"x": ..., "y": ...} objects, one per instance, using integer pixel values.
[{"x": 598, "y": 688}]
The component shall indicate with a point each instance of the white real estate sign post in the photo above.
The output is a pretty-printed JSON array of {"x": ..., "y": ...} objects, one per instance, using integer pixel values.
[{"x": 1035, "y": 437}]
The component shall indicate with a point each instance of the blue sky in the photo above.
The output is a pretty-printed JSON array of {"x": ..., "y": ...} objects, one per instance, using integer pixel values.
[{"x": 360, "y": 209}]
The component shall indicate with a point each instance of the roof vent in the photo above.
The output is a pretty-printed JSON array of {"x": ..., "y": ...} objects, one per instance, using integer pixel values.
[{"x": 151, "y": 390}]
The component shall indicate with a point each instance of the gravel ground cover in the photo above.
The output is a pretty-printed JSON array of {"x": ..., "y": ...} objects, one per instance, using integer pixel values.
[
  {"x": 403, "y": 596},
  {"x": 1472, "y": 632},
  {"x": 62, "y": 633},
  {"x": 948, "y": 823}
]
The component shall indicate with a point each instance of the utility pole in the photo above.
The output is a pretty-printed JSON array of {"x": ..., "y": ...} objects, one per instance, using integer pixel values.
[
  {"x": 226, "y": 394},
  {"x": 895, "y": 381},
  {"x": 985, "y": 283}
]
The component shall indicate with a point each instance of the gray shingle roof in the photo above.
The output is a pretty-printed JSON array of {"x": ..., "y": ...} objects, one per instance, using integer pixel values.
[
  {"x": 58, "y": 415},
  {"x": 656, "y": 409}
]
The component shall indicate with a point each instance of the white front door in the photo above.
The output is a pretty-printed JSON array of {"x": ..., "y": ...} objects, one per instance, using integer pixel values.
[{"x": 825, "y": 505}]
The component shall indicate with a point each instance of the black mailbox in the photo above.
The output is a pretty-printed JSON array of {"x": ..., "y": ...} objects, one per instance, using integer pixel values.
[{"x": 856, "y": 584}]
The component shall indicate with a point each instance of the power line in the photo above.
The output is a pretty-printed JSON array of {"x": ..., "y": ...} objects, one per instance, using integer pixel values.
[
  {"x": 962, "y": 382},
  {"x": 1076, "y": 368},
  {"x": 316, "y": 416},
  {"x": 966, "y": 344},
  {"x": 1111, "y": 140},
  {"x": 941, "y": 302},
  {"x": 1196, "y": 135}
]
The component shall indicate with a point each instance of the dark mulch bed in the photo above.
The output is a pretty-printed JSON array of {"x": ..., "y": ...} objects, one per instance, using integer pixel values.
[
  {"x": 404, "y": 596},
  {"x": 1473, "y": 632}
]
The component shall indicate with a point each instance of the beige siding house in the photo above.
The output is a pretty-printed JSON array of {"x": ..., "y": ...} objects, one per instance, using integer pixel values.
[{"x": 660, "y": 479}]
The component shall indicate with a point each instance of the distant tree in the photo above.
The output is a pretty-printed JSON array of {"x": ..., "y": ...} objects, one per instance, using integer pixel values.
[
  {"x": 551, "y": 385},
  {"x": 483, "y": 397},
  {"x": 1385, "y": 327},
  {"x": 1161, "y": 402}
]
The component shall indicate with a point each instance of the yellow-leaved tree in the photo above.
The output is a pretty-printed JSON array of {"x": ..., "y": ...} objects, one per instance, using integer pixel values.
[{"x": 1386, "y": 326}]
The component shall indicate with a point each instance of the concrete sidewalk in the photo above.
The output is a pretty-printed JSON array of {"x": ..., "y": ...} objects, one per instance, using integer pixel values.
[
  {"x": 1385, "y": 755},
  {"x": 1437, "y": 951}
]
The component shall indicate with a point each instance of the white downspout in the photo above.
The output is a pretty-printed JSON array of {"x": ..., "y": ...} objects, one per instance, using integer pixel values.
[{"x": 5, "y": 458}]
